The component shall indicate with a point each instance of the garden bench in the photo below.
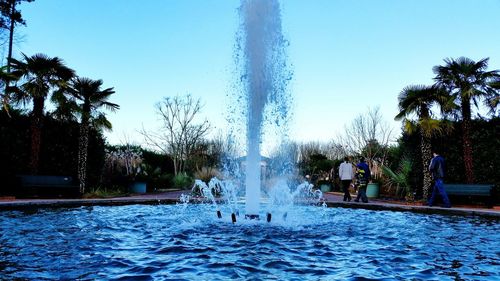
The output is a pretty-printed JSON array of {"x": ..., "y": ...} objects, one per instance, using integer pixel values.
[
  {"x": 48, "y": 185},
  {"x": 476, "y": 190}
]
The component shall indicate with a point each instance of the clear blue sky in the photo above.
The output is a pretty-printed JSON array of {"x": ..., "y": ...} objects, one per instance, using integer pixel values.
[{"x": 346, "y": 55}]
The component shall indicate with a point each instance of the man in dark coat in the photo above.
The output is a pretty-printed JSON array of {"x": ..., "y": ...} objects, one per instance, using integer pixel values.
[{"x": 436, "y": 167}]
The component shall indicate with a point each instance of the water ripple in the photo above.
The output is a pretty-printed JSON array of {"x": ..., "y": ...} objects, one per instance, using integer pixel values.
[{"x": 175, "y": 243}]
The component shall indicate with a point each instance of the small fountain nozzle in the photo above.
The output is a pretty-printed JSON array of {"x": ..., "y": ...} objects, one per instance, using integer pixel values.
[
  {"x": 219, "y": 215},
  {"x": 233, "y": 217},
  {"x": 251, "y": 217},
  {"x": 268, "y": 217}
]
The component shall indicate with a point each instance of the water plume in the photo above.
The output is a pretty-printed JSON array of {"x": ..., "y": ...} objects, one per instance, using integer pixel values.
[{"x": 264, "y": 83}]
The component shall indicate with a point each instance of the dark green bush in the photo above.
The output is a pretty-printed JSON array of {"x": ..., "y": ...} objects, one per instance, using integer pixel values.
[
  {"x": 58, "y": 154},
  {"x": 183, "y": 181},
  {"x": 486, "y": 153}
]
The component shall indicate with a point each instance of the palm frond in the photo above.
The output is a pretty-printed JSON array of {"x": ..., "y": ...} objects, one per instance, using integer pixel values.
[
  {"x": 431, "y": 127},
  {"x": 90, "y": 99},
  {"x": 410, "y": 127},
  {"x": 101, "y": 122},
  {"x": 399, "y": 180},
  {"x": 110, "y": 106}
]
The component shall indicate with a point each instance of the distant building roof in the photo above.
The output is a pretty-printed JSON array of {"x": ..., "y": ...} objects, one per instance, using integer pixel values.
[{"x": 244, "y": 158}]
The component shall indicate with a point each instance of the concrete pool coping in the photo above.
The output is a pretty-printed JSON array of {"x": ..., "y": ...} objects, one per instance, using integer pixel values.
[{"x": 172, "y": 197}]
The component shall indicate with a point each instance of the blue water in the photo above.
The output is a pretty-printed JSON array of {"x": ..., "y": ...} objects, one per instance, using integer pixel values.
[{"x": 174, "y": 242}]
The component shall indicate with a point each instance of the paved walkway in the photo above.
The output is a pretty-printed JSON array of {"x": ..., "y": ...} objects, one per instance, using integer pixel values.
[
  {"x": 332, "y": 199},
  {"x": 335, "y": 200}
]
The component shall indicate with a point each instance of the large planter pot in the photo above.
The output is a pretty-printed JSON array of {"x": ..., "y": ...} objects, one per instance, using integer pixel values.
[
  {"x": 325, "y": 188},
  {"x": 372, "y": 190},
  {"x": 138, "y": 187}
]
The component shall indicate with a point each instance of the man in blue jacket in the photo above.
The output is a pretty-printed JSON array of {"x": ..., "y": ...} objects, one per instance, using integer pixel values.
[
  {"x": 436, "y": 167},
  {"x": 362, "y": 178}
]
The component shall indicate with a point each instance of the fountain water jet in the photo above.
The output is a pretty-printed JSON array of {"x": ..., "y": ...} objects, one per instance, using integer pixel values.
[
  {"x": 263, "y": 48},
  {"x": 262, "y": 90}
]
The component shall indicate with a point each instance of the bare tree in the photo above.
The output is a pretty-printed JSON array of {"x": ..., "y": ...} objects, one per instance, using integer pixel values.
[
  {"x": 368, "y": 135},
  {"x": 224, "y": 144},
  {"x": 179, "y": 134},
  {"x": 306, "y": 149},
  {"x": 213, "y": 153},
  {"x": 332, "y": 150}
]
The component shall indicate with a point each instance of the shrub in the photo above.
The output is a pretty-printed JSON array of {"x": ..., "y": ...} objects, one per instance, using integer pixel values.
[
  {"x": 58, "y": 154},
  {"x": 399, "y": 181},
  {"x": 105, "y": 192},
  {"x": 183, "y": 181},
  {"x": 206, "y": 174},
  {"x": 485, "y": 141}
]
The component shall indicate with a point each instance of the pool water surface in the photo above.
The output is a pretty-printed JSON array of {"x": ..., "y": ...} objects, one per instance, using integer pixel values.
[{"x": 175, "y": 242}]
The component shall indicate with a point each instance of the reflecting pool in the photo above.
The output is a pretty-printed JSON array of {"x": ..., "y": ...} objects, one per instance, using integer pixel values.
[{"x": 174, "y": 242}]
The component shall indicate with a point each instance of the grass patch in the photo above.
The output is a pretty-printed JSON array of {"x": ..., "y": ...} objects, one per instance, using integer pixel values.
[{"x": 103, "y": 192}]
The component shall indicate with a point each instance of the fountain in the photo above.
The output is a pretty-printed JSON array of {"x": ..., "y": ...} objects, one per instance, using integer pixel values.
[
  {"x": 187, "y": 242},
  {"x": 264, "y": 77},
  {"x": 263, "y": 36}
]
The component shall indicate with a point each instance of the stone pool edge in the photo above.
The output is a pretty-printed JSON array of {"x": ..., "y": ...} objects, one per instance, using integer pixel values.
[
  {"x": 417, "y": 209},
  {"x": 377, "y": 206},
  {"x": 75, "y": 203}
]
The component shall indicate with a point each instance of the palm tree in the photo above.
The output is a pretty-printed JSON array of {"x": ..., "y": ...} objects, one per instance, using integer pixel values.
[
  {"x": 418, "y": 100},
  {"x": 468, "y": 82},
  {"x": 86, "y": 98},
  {"x": 40, "y": 75}
]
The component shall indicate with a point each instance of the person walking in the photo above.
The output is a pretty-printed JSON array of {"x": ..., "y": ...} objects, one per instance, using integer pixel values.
[
  {"x": 346, "y": 174},
  {"x": 362, "y": 178},
  {"x": 436, "y": 167}
]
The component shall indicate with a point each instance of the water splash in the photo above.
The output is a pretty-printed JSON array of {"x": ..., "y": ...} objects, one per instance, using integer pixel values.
[
  {"x": 280, "y": 201},
  {"x": 264, "y": 83},
  {"x": 259, "y": 113},
  {"x": 184, "y": 200}
]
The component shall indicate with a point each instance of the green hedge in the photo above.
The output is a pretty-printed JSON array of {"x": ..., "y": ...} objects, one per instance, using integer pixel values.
[
  {"x": 59, "y": 149},
  {"x": 486, "y": 153}
]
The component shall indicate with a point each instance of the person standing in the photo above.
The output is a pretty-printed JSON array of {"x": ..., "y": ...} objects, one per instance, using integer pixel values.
[
  {"x": 436, "y": 167},
  {"x": 362, "y": 178},
  {"x": 346, "y": 174}
]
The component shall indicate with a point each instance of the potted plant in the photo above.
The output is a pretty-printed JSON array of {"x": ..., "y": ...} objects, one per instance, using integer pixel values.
[
  {"x": 126, "y": 163},
  {"x": 373, "y": 189},
  {"x": 324, "y": 185},
  {"x": 138, "y": 179}
]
